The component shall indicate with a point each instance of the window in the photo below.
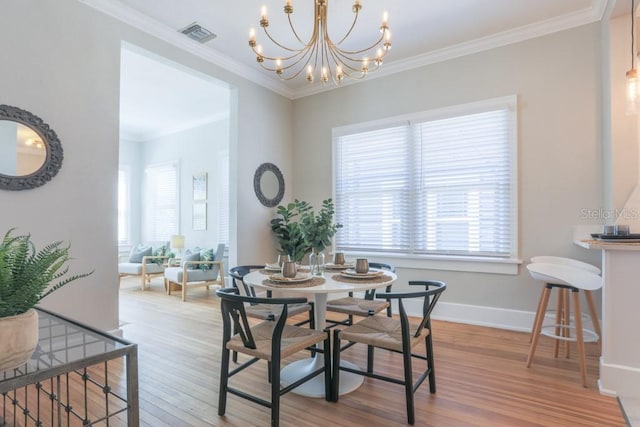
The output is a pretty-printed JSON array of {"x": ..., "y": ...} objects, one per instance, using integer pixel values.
[
  {"x": 124, "y": 209},
  {"x": 161, "y": 202},
  {"x": 436, "y": 183}
]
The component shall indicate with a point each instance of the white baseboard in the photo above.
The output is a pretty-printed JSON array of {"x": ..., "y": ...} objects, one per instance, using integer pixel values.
[
  {"x": 116, "y": 332},
  {"x": 618, "y": 380},
  {"x": 493, "y": 317}
]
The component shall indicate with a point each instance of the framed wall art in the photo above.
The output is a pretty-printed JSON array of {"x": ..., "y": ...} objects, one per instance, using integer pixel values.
[{"x": 200, "y": 187}]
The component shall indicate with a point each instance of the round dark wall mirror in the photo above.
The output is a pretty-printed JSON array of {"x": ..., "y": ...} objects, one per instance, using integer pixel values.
[
  {"x": 268, "y": 183},
  {"x": 31, "y": 150}
]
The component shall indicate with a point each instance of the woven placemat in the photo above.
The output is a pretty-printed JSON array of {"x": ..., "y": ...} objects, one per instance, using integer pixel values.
[
  {"x": 379, "y": 279},
  {"x": 316, "y": 281}
]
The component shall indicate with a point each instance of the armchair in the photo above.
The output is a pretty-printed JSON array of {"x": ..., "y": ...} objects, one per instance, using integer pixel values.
[
  {"x": 146, "y": 261},
  {"x": 200, "y": 267}
]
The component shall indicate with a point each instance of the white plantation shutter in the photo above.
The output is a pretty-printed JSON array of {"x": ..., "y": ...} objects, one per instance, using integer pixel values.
[
  {"x": 372, "y": 190},
  {"x": 161, "y": 207},
  {"x": 463, "y": 185},
  {"x": 442, "y": 184}
]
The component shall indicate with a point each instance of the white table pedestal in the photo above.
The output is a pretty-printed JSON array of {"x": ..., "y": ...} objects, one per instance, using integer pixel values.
[{"x": 315, "y": 387}]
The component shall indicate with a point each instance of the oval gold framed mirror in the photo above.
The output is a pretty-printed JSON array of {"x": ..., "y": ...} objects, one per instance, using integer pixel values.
[{"x": 32, "y": 153}]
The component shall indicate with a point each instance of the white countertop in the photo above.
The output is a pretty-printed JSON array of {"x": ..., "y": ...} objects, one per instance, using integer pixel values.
[{"x": 598, "y": 244}]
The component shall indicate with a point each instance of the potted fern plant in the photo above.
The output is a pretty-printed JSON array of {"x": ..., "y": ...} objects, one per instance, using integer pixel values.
[{"x": 27, "y": 275}]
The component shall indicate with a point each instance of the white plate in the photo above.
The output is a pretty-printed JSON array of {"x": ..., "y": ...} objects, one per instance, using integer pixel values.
[
  {"x": 332, "y": 266},
  {"x": 300, "y": 277},
  {"x": 369, "y": 275}
]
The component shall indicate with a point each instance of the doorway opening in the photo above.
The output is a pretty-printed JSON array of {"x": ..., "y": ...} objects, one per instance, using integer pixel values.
[{"x": 174, "y": 174}]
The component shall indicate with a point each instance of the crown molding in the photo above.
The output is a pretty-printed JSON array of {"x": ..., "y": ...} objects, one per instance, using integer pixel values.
[
  {"x": 130, "y": 16},
  {"x": 121, "y": 12}
]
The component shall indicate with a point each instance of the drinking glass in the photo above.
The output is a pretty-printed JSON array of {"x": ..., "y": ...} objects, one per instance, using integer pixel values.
[
  {"x": 621, "y": 229},
  {"x": 338, "y": 258},
  {"x": 607, "y": 229}
]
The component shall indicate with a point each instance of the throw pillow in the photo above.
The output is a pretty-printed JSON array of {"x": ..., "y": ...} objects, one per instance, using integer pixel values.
[
  {"x": 190, "y": 256},
  {"x": 162, "y": 251},
  {"x": 138, "y": 252},
  {"x": 206, "y": 255}
]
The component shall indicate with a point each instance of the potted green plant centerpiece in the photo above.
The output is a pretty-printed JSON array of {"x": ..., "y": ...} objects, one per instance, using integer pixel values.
[
  {"x": 318, "y": 229},
  {"x": 288, "y": 229},
  {"x": 27, "y": 275}
]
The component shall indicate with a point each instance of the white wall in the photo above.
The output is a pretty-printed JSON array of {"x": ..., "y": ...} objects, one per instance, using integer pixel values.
[
  {"x": 9, "y": 147},
  {"x": 624, "y": 128},
  {"x": 557, "y": 80},
  {"x": 129, "y": 158},
  {"x": 65, "y": 69}
]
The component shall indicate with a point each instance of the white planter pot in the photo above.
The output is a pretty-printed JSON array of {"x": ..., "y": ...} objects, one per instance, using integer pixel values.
[{"x": 18, "y": 339}]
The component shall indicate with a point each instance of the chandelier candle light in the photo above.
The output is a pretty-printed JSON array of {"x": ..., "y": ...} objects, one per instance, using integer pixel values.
[{"x": 320, "y": 56}]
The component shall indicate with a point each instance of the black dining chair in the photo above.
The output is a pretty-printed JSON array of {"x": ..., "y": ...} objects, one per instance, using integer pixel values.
[
  {"x": 266, "y": 311},
  {"x": 270, "y": 340},
  {"x": 355, "y": 306},
  {"x": 397, "y": 335}
]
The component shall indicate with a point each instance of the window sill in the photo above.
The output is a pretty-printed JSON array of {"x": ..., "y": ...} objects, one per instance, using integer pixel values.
[{"x": 507, "y": 266}]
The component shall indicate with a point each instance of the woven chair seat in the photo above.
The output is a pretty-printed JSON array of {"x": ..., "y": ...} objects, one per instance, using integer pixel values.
[
  {"x": 357, "y": 306},
  {"x": 267, "y": 311},
  {"x": 294, "y": 339},
  {"x": 379, "y": 331}
]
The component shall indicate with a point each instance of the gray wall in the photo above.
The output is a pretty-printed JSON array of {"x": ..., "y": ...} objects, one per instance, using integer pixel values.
[
  {"x": 65, "y": 69},
  {"x": 557, "y": 80}
]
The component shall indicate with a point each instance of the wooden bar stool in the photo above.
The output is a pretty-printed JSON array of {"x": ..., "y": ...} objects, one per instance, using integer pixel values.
[
  {"x": 562, "y": 309},
  {"x": 568, "y": 279}
]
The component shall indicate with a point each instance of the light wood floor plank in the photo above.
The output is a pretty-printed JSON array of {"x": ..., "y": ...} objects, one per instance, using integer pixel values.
[{"x": 482, "y": 379}]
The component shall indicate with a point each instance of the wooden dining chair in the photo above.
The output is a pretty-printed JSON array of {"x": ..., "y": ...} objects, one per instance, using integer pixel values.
[
  {"x": 397, "y": 335},
  {"x": 270, "y": 340},
  {"x": 355, "y": 306}
]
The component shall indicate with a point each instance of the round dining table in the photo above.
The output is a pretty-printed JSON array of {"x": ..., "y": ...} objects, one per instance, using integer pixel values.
[{"x": 333, "y": 283}]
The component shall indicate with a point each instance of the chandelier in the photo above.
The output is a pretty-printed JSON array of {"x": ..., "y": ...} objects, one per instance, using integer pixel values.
[{"x": 321, "y": 57}]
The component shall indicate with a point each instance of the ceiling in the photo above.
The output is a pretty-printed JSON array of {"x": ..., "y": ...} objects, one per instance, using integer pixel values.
[
  {"x": 158, "y": 97},
  {"x": 424, "y": 32}
]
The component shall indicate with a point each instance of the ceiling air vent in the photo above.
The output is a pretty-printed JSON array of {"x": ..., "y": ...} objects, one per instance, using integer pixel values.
[{"x": 198, "y": 33}]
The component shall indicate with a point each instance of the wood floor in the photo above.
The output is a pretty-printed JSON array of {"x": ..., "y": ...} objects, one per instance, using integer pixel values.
[{"x": 482, "y": 379}]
